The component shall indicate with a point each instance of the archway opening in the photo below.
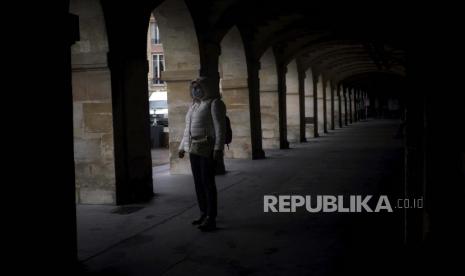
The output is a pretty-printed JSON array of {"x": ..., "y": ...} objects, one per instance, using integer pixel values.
[
  {"x": 174, "y": 48},
  {"x": 158, "y": 96}
]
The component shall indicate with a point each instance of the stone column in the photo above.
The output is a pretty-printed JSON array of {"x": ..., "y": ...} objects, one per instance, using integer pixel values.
[
  {"x": 253, "y": 69},
  {"x": 360, "y": 104},
  {"x": 367, "y": 103},
  {"x": 321, "y": 107},
  {"x": 292, "y": 103},
  {"x": 236, "y": 98},
  {"x": 355, "y": 104},
  {"x": 283, "y": 143},
  {"x": 333, "y": 104},
  {"x": 309, "y": 102},
  {"x": 235, "y": 93},
  {"x": 133, "y": 159},
  {"x": 325, "y": 106},
  {"x": 316, "y": 101},
  {"x": 179, "y": 100},
  {"x": 339, "y": 105},
  {"x": 302, "y": 105},
  {"x": 351, "y": 103},
  {"x": 346, "y": 110},
  {"x": 269, "y": 102},
  {"x": 92, "y": 108}
]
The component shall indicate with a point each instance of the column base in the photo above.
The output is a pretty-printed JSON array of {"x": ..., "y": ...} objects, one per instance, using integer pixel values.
[{"x": 258, "y": 154}]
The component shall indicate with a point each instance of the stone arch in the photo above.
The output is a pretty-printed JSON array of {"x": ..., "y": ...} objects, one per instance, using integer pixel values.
[
  {"x": 235, "y": 93},
  {"x": 92, "y": 107},
  {"x": 269, "y": 100},
  {"x": 292, "y": 102},
  {"x": 110, "y": 94}
]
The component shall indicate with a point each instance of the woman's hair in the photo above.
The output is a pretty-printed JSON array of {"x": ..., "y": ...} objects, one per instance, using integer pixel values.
[{"x": 201, "y": 81}]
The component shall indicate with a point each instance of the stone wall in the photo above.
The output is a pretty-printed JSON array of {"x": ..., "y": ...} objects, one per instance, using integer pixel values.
[
  {"x": 269, "y": 105},
  {"x": 92, "y": 108},
  {"x": 235, "y": 92},
  {"x": 328, "y": 105},
  {"x": 320, "y": 100},
  {"x": 292, "y": 103},
  {"x": 309, "y": 128}
]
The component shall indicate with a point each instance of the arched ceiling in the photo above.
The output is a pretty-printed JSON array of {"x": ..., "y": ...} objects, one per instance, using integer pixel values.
[{"x": 339, "y": 40}]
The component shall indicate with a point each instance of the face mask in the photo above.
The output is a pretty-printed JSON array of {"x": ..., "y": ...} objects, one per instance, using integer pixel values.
[{"x": 197, "y": 92}]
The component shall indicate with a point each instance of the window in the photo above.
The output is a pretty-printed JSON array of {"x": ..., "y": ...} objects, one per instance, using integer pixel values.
[
  {"x": 154, "y": 33},
  {"x": 158, "y": 67}
]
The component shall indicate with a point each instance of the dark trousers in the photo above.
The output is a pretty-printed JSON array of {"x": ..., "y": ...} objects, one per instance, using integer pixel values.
[{"x": 203, "y": 170}]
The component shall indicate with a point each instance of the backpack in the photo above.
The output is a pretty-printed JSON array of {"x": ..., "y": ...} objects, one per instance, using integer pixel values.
[{"x": 228, "y": 130}]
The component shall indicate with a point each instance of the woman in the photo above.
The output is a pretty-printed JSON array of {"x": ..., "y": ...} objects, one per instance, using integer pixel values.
[{"x": 203, "y": 139}]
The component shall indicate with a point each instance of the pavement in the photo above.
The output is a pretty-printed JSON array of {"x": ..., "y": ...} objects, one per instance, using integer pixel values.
[{"x": 157, "y": 238}]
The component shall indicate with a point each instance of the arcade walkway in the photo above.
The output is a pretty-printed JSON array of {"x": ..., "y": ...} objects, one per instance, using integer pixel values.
[{"x": 157, "y": 238}]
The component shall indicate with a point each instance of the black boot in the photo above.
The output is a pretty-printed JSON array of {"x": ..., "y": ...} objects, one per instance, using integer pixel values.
[
  {"x": 199, "y": 220},
  {"x": 208, "y": 225}
]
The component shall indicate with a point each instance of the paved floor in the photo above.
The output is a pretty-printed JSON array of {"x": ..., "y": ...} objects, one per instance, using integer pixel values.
[{"x": 158, "y": 239}]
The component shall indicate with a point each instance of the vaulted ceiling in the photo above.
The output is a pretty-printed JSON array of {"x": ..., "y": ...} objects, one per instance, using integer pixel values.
[{"x": 345, "y": 42}]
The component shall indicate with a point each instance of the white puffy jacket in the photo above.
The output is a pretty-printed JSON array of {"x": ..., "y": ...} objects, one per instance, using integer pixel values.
[{"x": 206, "y": 117}]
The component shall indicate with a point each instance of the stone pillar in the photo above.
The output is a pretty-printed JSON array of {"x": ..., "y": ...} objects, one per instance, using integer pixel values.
[
  {"x": 292, "y": 103},
  {"x": 269, "y": 102},
  {"x": 360, "y": 106},
  {"x": 367, "y": 104},
  {"x": 333, "y": 105},
  {"x": 236, "y": 97},
  {"x": 92, "y": 108},
  {"x": 316, "y": 102},
  {"x": 309, "y": 104},
  {"x": 235, "y": 92},
  {"x": 253, "y": 69},
  {"x": 339, "y": 105},
  {"x": 179, "y": 100},
  {"x": 133, "y": 161},
  {"x": 302, "y": 105},
  {"x": 325, "y": 106},
  {"x": 351, "y": 102},
  {"x": 93, "y": 136},
  {"x": 321, "y": 107},
  {"x": 283, "y": 143},
  {"x": 346, "y": 110},
  {"x": 355, "y": 105}
]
